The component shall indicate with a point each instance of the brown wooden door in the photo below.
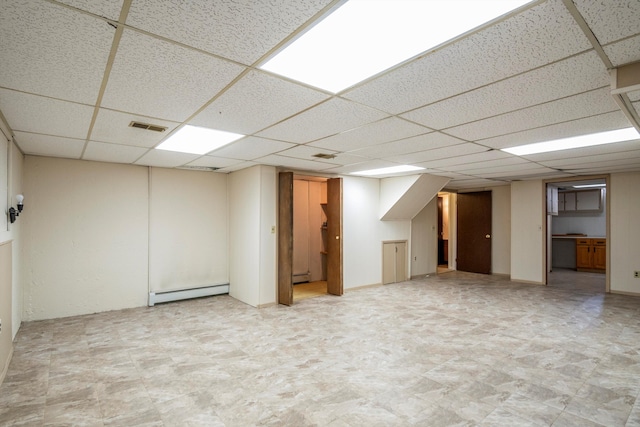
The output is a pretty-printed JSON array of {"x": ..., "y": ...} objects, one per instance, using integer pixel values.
[
  {"x": 285, "y": 238},
  {"x": 583, "y": 253},
  {"x": 599, "y": 254},
  {"x": 474, "y": 232},
  {"x": 334, "y": 236}
]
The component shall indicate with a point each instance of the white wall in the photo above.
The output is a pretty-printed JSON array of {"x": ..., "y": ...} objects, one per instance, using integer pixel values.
[
  {"x": 501, "y": 230},
  {"x": 188, "y": 242},
  {"x": 85, "y": 232},
  {"x": 625, "y": 232},
  {"x": 364, "y": 232},
  {"x": 424, "y": 240},
  {"x": 252, "y": 250},
  {"x": 527, "y": 240}
]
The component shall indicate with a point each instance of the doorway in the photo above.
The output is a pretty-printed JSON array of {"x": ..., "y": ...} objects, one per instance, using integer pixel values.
[
  {"x": 474, "y": 232},
  {"x": 309, "y": 236},
  {"x": 577, "y": 235}
]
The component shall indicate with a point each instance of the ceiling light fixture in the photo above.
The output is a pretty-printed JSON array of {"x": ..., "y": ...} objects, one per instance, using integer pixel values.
[
  {"x": 197, "y": 140},
  {"x": 388, "y": 171},
  {"x": 620, "y": 135},
  {"x": 364, "y": 37},
  {"x": 589, "y": 186}
]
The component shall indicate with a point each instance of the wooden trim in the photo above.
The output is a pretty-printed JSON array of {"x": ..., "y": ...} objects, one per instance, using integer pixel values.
[
  {"x": 285, "y": 238},
  {"x": 334, "y": 237},
  {"x": 631, "y": 294},
  {"x": 357, "y": 288}
]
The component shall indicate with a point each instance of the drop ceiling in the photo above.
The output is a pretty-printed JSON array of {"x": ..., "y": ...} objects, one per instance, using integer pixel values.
[{"x": 75, "y": 73}]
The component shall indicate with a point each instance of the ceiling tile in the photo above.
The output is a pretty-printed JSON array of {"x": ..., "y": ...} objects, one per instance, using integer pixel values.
[
  {"x": 107, "y": 8},
  {"x": 464, "y": 184},
  {"x": 306, "y": 152},
  {"x": 535, "y": 37},
  {"x": 289, "y": 162},
  {"x": 45, "y": 145},
  {"x": 166, "y": 159},
  {"x": 630, "y": 159},
  {"x": 601, "y": 123},
  {"x": 329, "y": 118},
  {"x": 518, "y": 169},
  {"x": 237, "y": 167},
  {"x": 542, "y": 85},
  {"x": 611, "y": 20},
  {"x": 255, "y": 102},
  {"x": 250, "y": 148},
  {"x": 414, "y": 144},
  {"x": 571, "y": 108},
  {"x": 438, "y": 153},
  {"x": 389, "y": 129},
  {"x": 154, "y": 78},
  {"x": 624, "y": 51},
  {"x": 51, "y": 50},
  {"x": 214, "y": 26},
  {"x": 452, "y": 165},
  {"x": 113, "y": 126},
  {"x": 634, "y": 96},
  {"x": 102, "y": 152},
  {"x": 529, "y": 172},
  {"x": 30, "y": 113},
  {"x": 214, "y": 162}
]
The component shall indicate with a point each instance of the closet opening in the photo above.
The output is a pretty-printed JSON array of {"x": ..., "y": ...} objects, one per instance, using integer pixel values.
[{"x": 309, "y": 237}]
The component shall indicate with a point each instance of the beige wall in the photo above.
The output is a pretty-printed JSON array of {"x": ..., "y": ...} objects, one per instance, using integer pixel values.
[
  {"x": 501, "y": 230},
  {"x": 85, "y": 237},
  {"x": 364, "y": 232},
  {"x": 188, "y": 242},
  {"x": 424, "y": 240},
  {"x": 625, "y": 232},
  {"x": 252, "y": 245},
  {"x": 527, "y": 241}
]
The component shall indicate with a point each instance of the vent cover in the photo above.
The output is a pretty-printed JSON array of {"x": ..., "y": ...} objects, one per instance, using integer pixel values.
[
  {"x": 147, "y": 126},
  {"x": 199, "y": 168},
  {"x": 324, "y": 156}
]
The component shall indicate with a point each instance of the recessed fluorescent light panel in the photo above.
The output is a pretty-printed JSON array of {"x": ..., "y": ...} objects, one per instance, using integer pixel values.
[
  {"x": 364, "y": 37},
  {"x": 197, "y": 140},
  {"x": 590, "y": 186},
  {"x": 609, "y": 137},
  {"x": 388, "y": 171}
]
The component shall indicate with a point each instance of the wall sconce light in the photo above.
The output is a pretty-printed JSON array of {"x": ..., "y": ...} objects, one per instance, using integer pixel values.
[{"x": 13, "y": 213}]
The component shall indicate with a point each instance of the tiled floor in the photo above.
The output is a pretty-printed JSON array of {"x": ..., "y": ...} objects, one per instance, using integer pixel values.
[{"x": 452, "y": 349}]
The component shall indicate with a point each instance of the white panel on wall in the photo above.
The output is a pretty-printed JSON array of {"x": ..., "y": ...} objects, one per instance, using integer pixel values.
[
  {"x": 501, "y": 230},
  {"x": 188, "y": 229},
  {"x": 625, "y": 233}
]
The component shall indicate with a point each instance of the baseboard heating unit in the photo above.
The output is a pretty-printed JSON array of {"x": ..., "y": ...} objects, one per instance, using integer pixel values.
[{"x": 206, "y": 291}]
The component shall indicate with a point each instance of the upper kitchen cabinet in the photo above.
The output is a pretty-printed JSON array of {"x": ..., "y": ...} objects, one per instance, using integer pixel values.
[{"x": 580, "y": 201}]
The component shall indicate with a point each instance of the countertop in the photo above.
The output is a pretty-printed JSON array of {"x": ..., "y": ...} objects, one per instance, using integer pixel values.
[{"x": 575, "y": 236}]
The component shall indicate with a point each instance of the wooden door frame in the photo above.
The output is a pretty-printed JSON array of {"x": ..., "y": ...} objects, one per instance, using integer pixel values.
[{"x": 285, "y": 237}]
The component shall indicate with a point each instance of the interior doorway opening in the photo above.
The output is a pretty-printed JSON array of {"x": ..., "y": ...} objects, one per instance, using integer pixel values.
[
  {"x": 446, "y": 228},
  {"x": 577, "y": 235},
  {"x": 330, "y": 247},
  {"x": 309, "y": 237}
]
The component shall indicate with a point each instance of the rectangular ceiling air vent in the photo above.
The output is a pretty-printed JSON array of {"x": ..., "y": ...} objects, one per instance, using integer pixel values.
[
  {"x": 147, "y": 126},
  {"x": 199, "y": 168},
  {"x": 324, "y": 156}
]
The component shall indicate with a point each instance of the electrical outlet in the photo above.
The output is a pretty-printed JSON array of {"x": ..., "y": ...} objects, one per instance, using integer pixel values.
[{"x": 636, "y": 274}]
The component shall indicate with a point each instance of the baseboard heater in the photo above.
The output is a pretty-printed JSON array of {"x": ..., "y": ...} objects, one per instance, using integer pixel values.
[{"x": 206, "y": 291}]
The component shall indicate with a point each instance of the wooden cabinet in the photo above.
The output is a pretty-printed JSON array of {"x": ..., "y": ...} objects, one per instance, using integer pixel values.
[{"x": 591, "y": 254}]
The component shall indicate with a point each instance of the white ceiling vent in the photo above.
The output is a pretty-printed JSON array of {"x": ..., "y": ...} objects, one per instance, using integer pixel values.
[
  {"x": 147, "y": 126},
  {"x": 324, "y": 156}
]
